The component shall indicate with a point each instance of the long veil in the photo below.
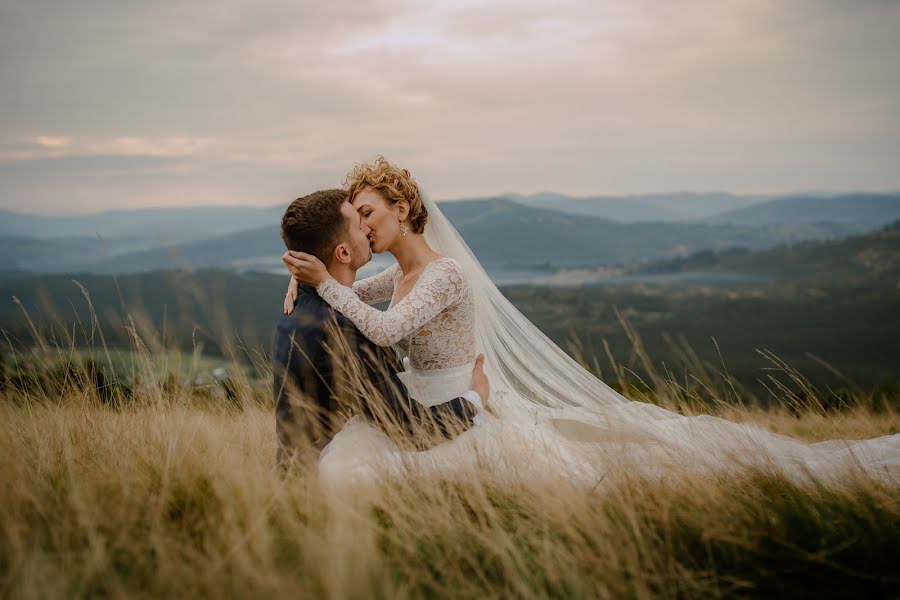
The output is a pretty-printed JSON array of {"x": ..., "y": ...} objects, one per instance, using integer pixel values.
[
  {"x": 520, "y": 359},
  {"x": 518, "y": 356}
]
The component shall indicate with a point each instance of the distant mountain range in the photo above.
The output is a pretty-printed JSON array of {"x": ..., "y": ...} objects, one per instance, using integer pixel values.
[
  {"x": 501, "y": 230},
  {"x": 155, "y": 225},
  {"x": 858, "y": 209},
  {"x": 670, "y": 207},
  {"x": 504, "y": 230},
  {"x": 864, "y": 209}
]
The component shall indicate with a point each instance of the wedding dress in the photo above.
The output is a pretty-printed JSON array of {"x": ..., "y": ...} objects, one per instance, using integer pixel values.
[
  {"x": 433, "y": 325},
  {"x": 551, "y": 417}
]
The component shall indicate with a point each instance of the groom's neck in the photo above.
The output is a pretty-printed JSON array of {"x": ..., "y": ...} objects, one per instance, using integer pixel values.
[{"x": 343, "y": 274}]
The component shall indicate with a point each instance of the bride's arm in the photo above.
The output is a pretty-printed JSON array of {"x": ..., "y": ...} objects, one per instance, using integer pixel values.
[
  {"x": 377, "y": 288},
  {"x": 371, "y": 290},
  {"x": 439, "y": 287}
]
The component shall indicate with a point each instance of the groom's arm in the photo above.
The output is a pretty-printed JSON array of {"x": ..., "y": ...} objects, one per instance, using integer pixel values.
[
  {"x": 304, "y": 408},
  {"x": 396, "y": 409}
]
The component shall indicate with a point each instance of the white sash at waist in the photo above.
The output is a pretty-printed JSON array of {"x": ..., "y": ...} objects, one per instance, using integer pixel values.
[{"x": 436, "y": 386}]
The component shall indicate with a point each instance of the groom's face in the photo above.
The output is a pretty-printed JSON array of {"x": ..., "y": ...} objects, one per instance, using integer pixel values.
[{"x": 359, "y": 237}]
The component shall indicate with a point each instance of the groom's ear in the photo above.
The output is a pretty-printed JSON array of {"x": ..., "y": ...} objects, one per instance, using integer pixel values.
[{"x": 342, "y": 253}]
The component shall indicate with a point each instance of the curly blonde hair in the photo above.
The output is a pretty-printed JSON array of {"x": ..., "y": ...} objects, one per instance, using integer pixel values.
[{"x": 393, "y": 183}]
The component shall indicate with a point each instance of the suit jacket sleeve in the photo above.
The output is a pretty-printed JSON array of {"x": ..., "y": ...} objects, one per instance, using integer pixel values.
[{"x": 303, "y": 378}]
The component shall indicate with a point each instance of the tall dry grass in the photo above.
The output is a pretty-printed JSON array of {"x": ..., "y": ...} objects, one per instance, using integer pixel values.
[
  {"x": 174, "y": 500},
  {"x": 157, "y": 490}
]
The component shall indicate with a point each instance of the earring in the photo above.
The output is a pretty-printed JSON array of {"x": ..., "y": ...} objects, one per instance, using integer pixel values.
[{"x": 403, "y": 228}]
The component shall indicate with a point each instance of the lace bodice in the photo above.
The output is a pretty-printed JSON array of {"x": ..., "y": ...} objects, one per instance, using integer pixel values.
[
  {"x": 434, "y": 324},
  {"x": 377, "y": 288}
]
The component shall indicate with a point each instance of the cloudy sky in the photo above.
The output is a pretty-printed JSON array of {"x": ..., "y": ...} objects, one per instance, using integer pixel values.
[{"x": 119, "y": 104}]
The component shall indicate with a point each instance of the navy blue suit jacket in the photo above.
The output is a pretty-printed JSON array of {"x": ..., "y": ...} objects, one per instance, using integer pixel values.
[{"x": 311, "y": 382}]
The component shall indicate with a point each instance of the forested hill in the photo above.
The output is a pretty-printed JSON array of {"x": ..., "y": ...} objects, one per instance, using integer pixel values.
[
  {"x": 855, "y": 260},
  {"x": 836, "y": 301}
]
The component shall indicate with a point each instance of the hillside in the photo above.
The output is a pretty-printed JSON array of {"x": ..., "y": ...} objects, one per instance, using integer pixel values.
[
  {"x": 223, "y": 251},
  {"x": 500, "y": 231},
  {"x": 832, "y": 300},
  {"x": 861, "y": 209},
  {"x": 859, "y": 259},
  {"x": 159, "y": 225},
  {"x": 64, "y": 254},
  {"x": 503, "y": 230}
]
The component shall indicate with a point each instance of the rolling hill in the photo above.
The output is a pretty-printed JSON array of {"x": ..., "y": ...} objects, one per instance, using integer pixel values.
[
  {"x": 499, "y": 231},
  {"x": 156, "y": 225},
  {"x": 835, "y": 300},
  {"x": 860, "y": 209},
  {"x": 856, "y": 260}
]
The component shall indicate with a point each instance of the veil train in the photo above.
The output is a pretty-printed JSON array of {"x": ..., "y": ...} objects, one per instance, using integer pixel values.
[{"x": 553, "y": 403}]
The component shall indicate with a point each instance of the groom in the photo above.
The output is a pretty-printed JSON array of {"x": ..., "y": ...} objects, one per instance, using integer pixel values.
[{"x": 322, "y": 363}]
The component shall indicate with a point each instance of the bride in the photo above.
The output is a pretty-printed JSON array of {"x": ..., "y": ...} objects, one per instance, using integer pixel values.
[{"x": 548, "y": 417}]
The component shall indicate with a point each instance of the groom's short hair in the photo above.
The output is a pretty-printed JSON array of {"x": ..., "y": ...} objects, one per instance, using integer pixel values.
[{"x": 315, "y": 224}]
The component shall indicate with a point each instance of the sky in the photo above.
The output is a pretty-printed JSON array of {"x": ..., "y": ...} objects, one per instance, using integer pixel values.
[{"x": 112, "y": 104}]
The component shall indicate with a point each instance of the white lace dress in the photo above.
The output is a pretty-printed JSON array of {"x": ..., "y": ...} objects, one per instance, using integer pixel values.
[
  {"x": 432, "y": 328},
  {"x": 434, "y": 325}
]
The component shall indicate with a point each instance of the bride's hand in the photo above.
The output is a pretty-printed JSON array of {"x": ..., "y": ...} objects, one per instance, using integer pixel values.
[
  {"x": 305, "y": 268},
  {"x": 291, "y": 297},
  {"x": 480, "y": 383}
]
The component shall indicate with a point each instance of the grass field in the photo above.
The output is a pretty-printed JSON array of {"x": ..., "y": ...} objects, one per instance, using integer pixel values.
[{"x": 174, "y": 493}]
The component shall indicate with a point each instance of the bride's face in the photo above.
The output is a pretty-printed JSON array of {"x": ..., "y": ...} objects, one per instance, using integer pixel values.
[{"x": 381, "y": 217}]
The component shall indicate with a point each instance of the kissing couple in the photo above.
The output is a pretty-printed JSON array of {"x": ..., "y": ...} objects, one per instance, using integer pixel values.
[{"x": 481, "y": 387}]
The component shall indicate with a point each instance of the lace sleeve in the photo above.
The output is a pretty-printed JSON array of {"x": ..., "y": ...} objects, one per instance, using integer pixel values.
[
  {"x": 440, "y": 285},
  {"x": 377, "y": 288}
]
